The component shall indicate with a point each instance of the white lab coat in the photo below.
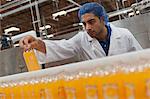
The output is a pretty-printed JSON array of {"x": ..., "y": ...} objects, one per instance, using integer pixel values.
[{"x": 86, "y": 48}]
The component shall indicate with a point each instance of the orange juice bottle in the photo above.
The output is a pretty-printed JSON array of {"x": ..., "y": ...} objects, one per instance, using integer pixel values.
[
  {"x": 57, "y": 89},
  {"x": 43, "y": 91},
  {"x": 28, "y": 91},
  {"x": 31, "y": 60},
  {"x": 70, "y": 93},
  {"x": 46, "y": 93},
  {"x": 148, "y": 89},
  {"x": 91, "y": 92},
  {"x": 59, "y": 92},
  {"x": 112, "y": 86},
  {"x": 2, "y": 96},
  {"x": 7, "y": 91},
  {"x": 3, "y": 93},
  {"x": 38, "y": 92},
  {"x": 92, "y": 87},
  {"x": 52, "y": 88},
  {"x": 74, "y": 88},
  {"x": 134, "y": 85},
  {"x": 129, "y": 90},
  {"x": 147, "y": 83},
  {"x": 17, "y": 92}
]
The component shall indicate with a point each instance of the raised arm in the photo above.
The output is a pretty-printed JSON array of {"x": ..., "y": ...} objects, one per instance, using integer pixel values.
[{"x": 30, "y": 42}]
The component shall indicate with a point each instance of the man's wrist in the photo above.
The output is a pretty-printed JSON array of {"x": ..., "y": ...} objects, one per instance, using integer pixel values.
[{"x": 42, "y": 46}]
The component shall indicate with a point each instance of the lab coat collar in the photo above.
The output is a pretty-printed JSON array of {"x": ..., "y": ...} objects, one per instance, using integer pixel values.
[
  {"x": 90, "y": 39},
  {"x": 115, "y": 32}
]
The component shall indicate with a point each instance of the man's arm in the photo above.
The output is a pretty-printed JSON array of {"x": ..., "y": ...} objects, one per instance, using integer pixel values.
[
  {"x": 49, "y": 50},
  {"x": 29, "y": 42},
  {"x": 134, "y": 44}
]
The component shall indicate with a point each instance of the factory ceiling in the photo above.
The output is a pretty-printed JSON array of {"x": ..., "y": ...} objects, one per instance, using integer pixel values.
[{"x": 30, "y": 15}]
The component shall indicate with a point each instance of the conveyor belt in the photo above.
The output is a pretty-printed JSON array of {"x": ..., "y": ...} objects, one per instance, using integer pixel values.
[{"x": 117, "y": 77}]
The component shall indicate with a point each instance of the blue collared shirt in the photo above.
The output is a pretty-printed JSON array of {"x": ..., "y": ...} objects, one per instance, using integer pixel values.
[{"x": 105, "y": 44}]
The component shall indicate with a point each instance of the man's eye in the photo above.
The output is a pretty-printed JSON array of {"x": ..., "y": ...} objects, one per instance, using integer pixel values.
[{"x": 92, "y": 22}]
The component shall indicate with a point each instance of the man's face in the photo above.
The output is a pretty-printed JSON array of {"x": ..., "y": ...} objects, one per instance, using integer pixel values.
[{"x": 93, "y": 25}]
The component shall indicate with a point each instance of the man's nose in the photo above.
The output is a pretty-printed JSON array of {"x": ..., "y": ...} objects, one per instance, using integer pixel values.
[{"x": 88, "y": 27}]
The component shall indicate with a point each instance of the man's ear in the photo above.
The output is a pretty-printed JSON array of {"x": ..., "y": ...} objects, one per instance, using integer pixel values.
[{"x": 102, "y": 19}]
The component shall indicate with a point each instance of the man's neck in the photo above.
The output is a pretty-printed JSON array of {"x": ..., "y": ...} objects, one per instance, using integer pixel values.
[{"x": 103, "y": 34}]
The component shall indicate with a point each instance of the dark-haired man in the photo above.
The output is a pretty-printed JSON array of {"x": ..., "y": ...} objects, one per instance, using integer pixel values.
[{"x": 99, "y": 39}]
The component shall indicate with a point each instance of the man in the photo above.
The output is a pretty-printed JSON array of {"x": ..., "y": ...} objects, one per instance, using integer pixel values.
[{"x": 99, "y": 40}]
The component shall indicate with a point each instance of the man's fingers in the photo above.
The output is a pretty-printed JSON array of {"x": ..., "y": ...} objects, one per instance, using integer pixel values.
[
  {"x": 25, "y": 42},
  {"x": 30, "y": 42},
  {"x": 21, "y": 43},
  {"x": 33, "y": 45}
]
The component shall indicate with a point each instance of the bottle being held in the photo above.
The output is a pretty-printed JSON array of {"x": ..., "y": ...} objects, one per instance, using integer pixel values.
[{"x": 31, "y": 60}]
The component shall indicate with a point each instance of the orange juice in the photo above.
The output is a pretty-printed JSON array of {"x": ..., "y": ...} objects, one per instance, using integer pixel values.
[
  {"x": 59, "y": 92},
  {"x": 2, "y": 96},
  {"x": 129, "y": 90},
  {"x": 16, "y": 92},
  {"x": 4, "y": 93},
  {"x": 74, "y": 89},
  {"x": 28, "y": 91},
  {"x": 91, "y": 92},
  {"x": 147, "y": 83},
  {"x": 39, "y": 91},
  {"x": 112, "y": 86},
  {"x": 92, "y": 87},
  {"x": 148, "y": 89},
  {"x": 134, "y": 84},
  {"x": 51, "y": 90},
  {"x": 43, "y": 91},
  {"x": 31, "y": 60}
]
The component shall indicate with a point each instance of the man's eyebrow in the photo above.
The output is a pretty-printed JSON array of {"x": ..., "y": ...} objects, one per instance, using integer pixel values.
[{"x": 88, "y": 20}]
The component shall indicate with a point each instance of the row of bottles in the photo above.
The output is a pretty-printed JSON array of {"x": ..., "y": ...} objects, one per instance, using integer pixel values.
[{"x": 117, "y": 83}]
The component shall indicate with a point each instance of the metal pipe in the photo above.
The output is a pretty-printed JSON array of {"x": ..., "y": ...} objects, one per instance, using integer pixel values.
[
  {"x": 74, "y": 3},
  {"x": 12, "y": 4},
  {"x": 117, "y": 6},
  {"x": 32, "y": 15},
  {"x": 21, "y": 8},
  {"x": 111, "y": 14},
  {"x": 73, "y": 9},
  {"x": 7, "y": 4},
  {"x": 37, "y": 14},
  {"x": 119, "y": 12}
]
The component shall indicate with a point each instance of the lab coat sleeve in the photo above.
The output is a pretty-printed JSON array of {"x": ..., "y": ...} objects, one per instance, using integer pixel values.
[
  {"x": 133, "y": 43},
  {"x": 57, "y": 50}
]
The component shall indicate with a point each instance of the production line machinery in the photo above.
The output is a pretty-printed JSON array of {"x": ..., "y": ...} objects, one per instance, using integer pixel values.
[{"x": 125, "y": 76}]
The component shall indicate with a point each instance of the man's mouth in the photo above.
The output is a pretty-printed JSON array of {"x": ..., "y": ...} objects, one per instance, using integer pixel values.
[{"x": 91, "y": 33}]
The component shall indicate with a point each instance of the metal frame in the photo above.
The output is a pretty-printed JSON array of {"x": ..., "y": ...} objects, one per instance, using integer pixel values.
[
  {"x": 22, "y": 8},
  {"x": 74, "y": 3},
  {"x": 12, "y": 4},
  {"x": 111, "y": 14},
  {"x": 37, "y": 15}
]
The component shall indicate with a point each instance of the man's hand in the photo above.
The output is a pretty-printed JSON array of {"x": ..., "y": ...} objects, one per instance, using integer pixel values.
[{"x": 29, "y": 42}]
